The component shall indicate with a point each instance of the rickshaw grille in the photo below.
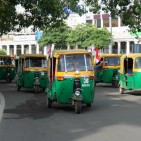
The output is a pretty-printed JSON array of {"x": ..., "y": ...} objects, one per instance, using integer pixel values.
[{"x": 77, "y": 84}]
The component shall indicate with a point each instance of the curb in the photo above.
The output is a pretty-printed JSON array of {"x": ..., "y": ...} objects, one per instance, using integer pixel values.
[{"x": 2, "y": 105}]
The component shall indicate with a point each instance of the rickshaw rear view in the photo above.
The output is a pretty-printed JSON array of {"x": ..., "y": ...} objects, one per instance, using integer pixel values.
[
  {"x": 7, "y": 68},
  {"x": 107, "y": 69}
]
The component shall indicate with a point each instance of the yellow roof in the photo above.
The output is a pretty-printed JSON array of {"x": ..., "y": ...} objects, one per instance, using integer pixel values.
[
  {"x": 132, "y": 55},
  {"x": 56, "y": 53},
  {"x": 31, "y": 55},
  {"x": 111, "y": 55}
]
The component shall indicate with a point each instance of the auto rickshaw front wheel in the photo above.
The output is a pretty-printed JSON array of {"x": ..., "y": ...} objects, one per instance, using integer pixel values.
[
  {"x": 77, "y": 107},
  {"x": 121, "y": 90},
  {"x": 36, "y": 87},
  {"x": 49, "y": 102}
]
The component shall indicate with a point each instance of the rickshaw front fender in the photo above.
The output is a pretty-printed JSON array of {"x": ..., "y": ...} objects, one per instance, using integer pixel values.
[{"x": 77, "y": 98}]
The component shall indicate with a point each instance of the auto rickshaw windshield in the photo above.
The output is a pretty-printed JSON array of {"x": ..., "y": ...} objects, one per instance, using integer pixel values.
[
  {"x": 81, "y": 62},
  {"x": 138, "y": 63},
  {"x": 35, "y": 62},
  {"x": 6, "y": 61},
  {"x": 112, "y": 61}
]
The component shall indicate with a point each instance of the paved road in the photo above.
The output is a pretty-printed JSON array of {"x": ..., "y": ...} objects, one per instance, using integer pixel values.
[{"x": 112, "y": 117}]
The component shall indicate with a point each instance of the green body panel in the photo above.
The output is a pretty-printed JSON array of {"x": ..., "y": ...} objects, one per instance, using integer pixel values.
[
  {"x": 27, "y": 80},
  {"x": 106, "y": 75},
  {"x": 4, "y": 70},
  {"x": 62, "y": 91},
  {"x": 132, "y": 82}
]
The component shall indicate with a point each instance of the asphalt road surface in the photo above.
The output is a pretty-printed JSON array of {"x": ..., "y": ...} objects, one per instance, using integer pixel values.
[{"x": 112, "y": 117}]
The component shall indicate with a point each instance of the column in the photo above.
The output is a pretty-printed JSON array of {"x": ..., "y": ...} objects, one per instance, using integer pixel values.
[
  {"x": 110, "y": 27},
  {"x": 45, "y": 50},
  {"x": 8, "y": 50},
  {"x": 37, "y": 48},
  {"x": 22, "y": 49},
  {"x": 127, "y": 47},
  {"x": 119, "y": 21},
  {"x": 15, "y": 50},
  {"x": 30, "y": 49},
  {"x": 119, "y": 48}
]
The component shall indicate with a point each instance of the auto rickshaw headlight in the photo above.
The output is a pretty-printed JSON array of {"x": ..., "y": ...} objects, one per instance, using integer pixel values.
[{"x": 77, "y": 93}]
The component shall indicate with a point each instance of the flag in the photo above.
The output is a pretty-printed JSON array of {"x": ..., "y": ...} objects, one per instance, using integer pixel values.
[
  {"x": 50, "y": 51},
  {"x": 96, "y": 55}
]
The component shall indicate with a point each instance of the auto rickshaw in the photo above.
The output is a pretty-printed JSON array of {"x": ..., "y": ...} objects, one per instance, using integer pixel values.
[
  {"x": 130, "y": 73},
  {"x": 32, "y": 72},
  {"x": 71, "y": 79},
  {"x": 7, "y": 68},
  {"x": 107, "y": 69}
]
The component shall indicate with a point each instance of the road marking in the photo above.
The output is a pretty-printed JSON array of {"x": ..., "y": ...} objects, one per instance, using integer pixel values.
[{"x": 2, "y": 105}]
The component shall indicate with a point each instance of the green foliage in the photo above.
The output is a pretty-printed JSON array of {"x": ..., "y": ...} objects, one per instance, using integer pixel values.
[
  {"x": 56, "y": 35},
  {"x": 39, "y": 13},
  {"x": 3, "y": 52},
  {"x": 83, "y": 35},
  {"x": 86, "y": 35}
]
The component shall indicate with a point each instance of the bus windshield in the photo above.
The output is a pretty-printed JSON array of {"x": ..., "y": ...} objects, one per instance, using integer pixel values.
[
  {"x": 74, "y": 62},
  {"x": 36, "y": 62}
]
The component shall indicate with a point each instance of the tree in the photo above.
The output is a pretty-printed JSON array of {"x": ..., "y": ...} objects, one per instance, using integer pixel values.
[
  {"x": 3, "y": 52},
  {"x": 83, "y": 35},
  {"x": 57, "y": 35},
  {"x": 86, "y": 35},
  {"x": 128, "y": 10},
  {"x": 39, "y": 13}
]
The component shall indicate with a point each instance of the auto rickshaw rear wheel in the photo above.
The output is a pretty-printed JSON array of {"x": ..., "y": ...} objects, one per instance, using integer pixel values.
[
  {"x": 18, "y": 88},
  {"x": 116, "y": 84},
  {"x": 121, "y": 90},
  {"x": 88, "y": 104},
  {"x": 77, "y": 107},
  {"x": 49, "y": 102}
]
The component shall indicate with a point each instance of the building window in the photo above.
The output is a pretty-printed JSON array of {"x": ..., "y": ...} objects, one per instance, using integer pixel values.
[
  {"x": 89, "y": 21},
  {"x": 114, "y": 22},
  {"x": 106, "y": 22}
]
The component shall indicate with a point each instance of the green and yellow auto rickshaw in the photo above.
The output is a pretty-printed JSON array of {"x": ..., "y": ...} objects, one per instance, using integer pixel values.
[
  {"x": 71, "y": 78},
  {"x": 107, "y": 69},
  {"x": 32, "y": 72},
  {"x": 7, "y": 68},
  {"x": 130, "y": 73}
]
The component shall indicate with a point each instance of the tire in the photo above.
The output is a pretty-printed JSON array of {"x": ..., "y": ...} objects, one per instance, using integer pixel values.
[
  {"x": 18, "y": 88},
  {"x": 121, "y": 90},
  {"x": 36, "y": 89},
  {"x": 78, "y": 107},
  {"x": 8, "y": 80},
  {"x": 88, "y": 105},
  {"x": 116, "y": 84},
  {"x": 49, "y": 102}
]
